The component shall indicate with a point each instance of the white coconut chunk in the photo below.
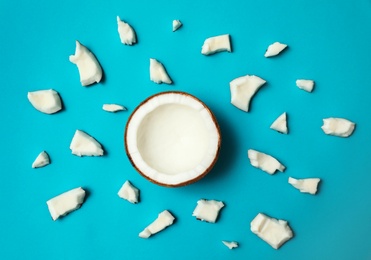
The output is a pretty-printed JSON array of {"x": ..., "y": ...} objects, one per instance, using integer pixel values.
[
  {"x": 126, "y": 32},
  {"x": 66, "y": 202},
  {"x": 129, "y": 192},
  {"x": 308, "y": 185},
  {"x": 113, "y": 108},
  {"x": 243, "y": 89},
  {"x": 274, "y": 232},
  {"x": 158, "y": 73},
  {"x": 338, "y": 127},
  {"x": 41, "y": 160},
  {"x": 46, "y": 101},
  {"x": 275, "y": 49},
  {"x": 163, "y": 220},
  {"x": 83, "y": 144},
  {"x": 207, "y": 210},
  {"x": 216, "y": 44},
  {"x": 305, "y": 84},
  {"x": 264, "y": 162},
  {"x": 231, "y": 244},
  {"x": 176, "y": 25},
  {"x": 89, "y": 69},
  {"x": 280, "y": 124}
]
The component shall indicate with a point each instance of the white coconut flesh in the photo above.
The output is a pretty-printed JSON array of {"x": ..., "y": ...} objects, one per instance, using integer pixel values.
[
  {"x": 305, "y": 84},
  {"x": 264, "y": 162},
  {"x": 172, "y": 139},
  {"x": 83, "y": 144},
  {"x": 41, "y": 160},
  {"x": 274, "y": 232},
  {"x": 126, "y": 32},
  {"x": 308, "y": 185},
  {"x": 46, "y": 101},
  {"x": 280, "y": 124},
  {"x": 338, "y": 127},
  {"x": 113, "y": 108},
  {"x": 89, "y": 69},
  {"x": 216, "y": 44},
  {"x": 157, "y": 72},
  {"x": 208, "y": 210},
  {"x": 129, "y": 192},
  {"x": 163, "y": 220},
  {"x": 176, "y": 25},
  {"x": 231, "y": 244},
  {"x": 275, "y": 49}
]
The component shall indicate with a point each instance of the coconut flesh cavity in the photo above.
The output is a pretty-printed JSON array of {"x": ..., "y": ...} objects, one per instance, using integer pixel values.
[
  {"x": 305, "y": 84},
  {"x": 308, "y": 185},
  {"x": 157, "y": 72},
  {"x": 172, "y": 139},
  {"x": 126, "y": 32},
  {"x": 41, "y": 160},
  {"x": 264, "y": 162},
  {"x": 208, "y": 210},
  {"x": 280, "y": 124},
  {"x": 46, "y": 101},
  {"x": 129, "y": 192},
  {"x": 216, "y": 44},
  {"x": 176, "y": 25},
  {"x": 163, "y": 220},
  {"x": 275, "y": 49},
  {"x": 89, "y": 69},
  {"x": 113, "y": 108},
  {"x": 338, "y": 126},
  {"x": 83, "y": 144},
  {"x": 231, "y": 244}
]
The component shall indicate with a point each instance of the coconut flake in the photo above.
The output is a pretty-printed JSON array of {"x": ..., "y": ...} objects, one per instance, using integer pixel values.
[
  {"x": 274, "y": 232},
  {"x": 89, "y": 69},
  {"x": 207, "y": 210},
  {"x": 83, "y": 144},
  {"x": 129, "y": 192},
  {"x": 280, "y": 124},
  {"x": 231, "y": 244},
  {"x": 41, "y": 160},
  {"x": 243, "y": 89},
  {"x": 338, "y": 127},
  {"x": 126, "y": 32},
  {"x": 66, "y": 202},
  {"x": 308, "y": 185},
  {"x": 274, "y": 49},
  {"x": 176, "y": 25},
  {"x": 113, "y": 107},
  {"x": 216, "y": 44},
  {"x": 264, "y": 162},
  {"x": 158, "y": 73},
  {"x": 46, "y": 101},
  {"x": 305, "y": 84},
  {"x": 163, "y": 220}
]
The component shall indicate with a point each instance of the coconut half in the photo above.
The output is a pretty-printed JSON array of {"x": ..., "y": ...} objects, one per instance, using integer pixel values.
[{"x": 172, "y": 139}]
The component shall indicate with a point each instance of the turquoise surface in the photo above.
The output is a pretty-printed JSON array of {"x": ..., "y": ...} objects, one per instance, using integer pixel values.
[{"x": 329, "y": 42}]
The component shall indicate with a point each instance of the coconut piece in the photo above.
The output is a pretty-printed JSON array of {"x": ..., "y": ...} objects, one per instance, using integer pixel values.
[
  {"x": 46, "y": 101},
  {"x": 274, "y": 49},
  {"x": 231, "y": 244},
  {"x": 280, "y": 124},
  {"x": 176, "y": 25},
  {"x": 163, "y": 220},
  {"x": 308, "y": 185},
  {"x": 274, "y": 232},
  {"x": 126, "y": 32},
  {"x": 207, "y": 210},
  {"x": 89, "y": 69},
  {"x": 158, "y": 73},
  {"x": 129, "y": 192},
  {"x": 243, "y": 89},
  {"x": 264, "y": 162},
  {"x": 216, "y": 44},
  {"x": 113, "y": 107},
  {"x": 305, "y": 84},
  {"x": 83, "y": 144},
  {"x": 41, "y": 160},
  {"x": 66, "y": 202},
  {"x": 338, "y": 127}
]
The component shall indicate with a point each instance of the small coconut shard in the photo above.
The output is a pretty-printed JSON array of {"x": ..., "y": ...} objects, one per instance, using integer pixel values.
[
  {"x": 83, "y": 144},
  {"x": 89, "y": 69},
  {"x": 274, "y": 232},
  {"x": 308, "y": 185},
  {"x": 280, "y": 124},
  {"x": 158, "y": 73},
  {"x": 275, "y": 49},
  {"x": 264, "y": 162},
  {"x": 231, "y": 244},
  {"x": 113, "y": 108},
  {"x": 46, "y": 101},
  {"x": 216, "y": 44},
  {"x": 66, "y": 202},
  {"x": 163, "y": 220},
  {"x": 207, "y": 210},
  {"x": 129, "y": 192},
  {"x": 243, "y": 89},
  {"x": 126, "y": 32},
  {"x": 41, "y": 160},
  {"x": 338, "y": 127},
  {"x": 176, "y": 25},
  {"x": 305, "y": 84}
]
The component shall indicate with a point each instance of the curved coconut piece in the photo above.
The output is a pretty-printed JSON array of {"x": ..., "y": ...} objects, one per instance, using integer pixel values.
[
  {"x": 126, "y": 32},
  {"x": 163, "y": 220},
  {"x": 158, "y": 73},
  {"x": 172, "y": 139},
  {"x": 46, "y": 101},
  {"x": 231, "y": 244},
  {"x": 338, "y": 127},
  {"x": 113, "y": 108},
  {"x": 305, "y": 84},
  {"x": 176, "y": 25},
  {"x": 264, "y": 162},
  {"x": 243, "y": 89},
  {"x": 41, "y": 160},
  {"x": 308, "y": 185},
  {"x": 275, "y": 49},
  {"x": 208, "y": 210},
  {"x": 216, "y": 44},
  {"x": 280, "y": 124},
  {"x": 129, "y": 192},
  {"x": 89, "y": 69},
  {"x": 83, "y": 144}
]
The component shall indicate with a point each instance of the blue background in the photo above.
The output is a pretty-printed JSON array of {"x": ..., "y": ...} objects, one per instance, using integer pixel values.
[{"x": 329, "y": 41}]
